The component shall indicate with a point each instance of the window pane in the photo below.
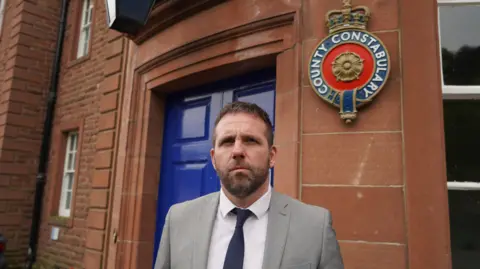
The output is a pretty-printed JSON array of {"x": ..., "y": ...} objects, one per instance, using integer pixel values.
[
  {"x": 84, "y": 37},
  {"x": 465, "y": 228},
  {"x": 68, "y": 199},
  {"x": 73, "y": 142},
  {"x": 69, "y": 181},
  {"x": 460, "y": 42},
  {"x": 70, "y": 163},
  {"x": 86, "y": 9},
  {"x": 90, "y": 12},
  {"x": 81, "y": 50},
  {"x": 86, "y": 40},
  {"x": 462, "y": 140}
]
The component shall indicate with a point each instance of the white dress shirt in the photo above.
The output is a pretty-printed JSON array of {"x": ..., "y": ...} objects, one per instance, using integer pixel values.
[{"x": 254, "y": 230}]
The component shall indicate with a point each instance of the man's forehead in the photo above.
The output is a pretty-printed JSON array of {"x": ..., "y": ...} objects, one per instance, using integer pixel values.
[
  {"x": 240, "y": 123},
  {"x": 240, "y": 120}
]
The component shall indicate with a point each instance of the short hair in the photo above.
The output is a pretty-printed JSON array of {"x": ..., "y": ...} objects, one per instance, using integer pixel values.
[{"x": 248, "y": 108}]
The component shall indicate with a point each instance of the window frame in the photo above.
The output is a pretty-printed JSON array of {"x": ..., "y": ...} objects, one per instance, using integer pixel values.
[
  {"x": 56, "y": 171},
  {"x": 85, "y": 29},
  {"x": 2, "y": 13},
  {"x": 63, "y": 211},
  {"x": 457, "y": 92}
]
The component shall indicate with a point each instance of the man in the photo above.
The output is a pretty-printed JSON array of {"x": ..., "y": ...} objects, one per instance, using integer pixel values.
[{"x": 246, "y": 224}]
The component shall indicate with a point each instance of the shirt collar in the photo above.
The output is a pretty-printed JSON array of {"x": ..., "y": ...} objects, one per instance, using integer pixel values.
[{"x": 258, "y": 208}]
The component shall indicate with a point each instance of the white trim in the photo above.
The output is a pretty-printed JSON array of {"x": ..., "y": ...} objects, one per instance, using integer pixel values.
[
  {"x": 68, "y": 178},
  {"x": 457, "y": 2},
  {"x": 440, "y": 48},
  {"x": 464, "y": 186},
  {"x": 451, "y": 92},
  {"x": 2, "y": 12}
]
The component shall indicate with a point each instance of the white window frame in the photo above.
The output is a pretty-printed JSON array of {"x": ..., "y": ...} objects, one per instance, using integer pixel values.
[
  {"x": 85, "y": 32},
  {"x": 453, "y": 92},
  {"x": 2, "y": 12},
  {"x": 68, "y": 175}
]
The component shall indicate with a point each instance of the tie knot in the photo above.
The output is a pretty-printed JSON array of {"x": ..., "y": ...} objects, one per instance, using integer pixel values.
[{"x": 242, "y": 215}]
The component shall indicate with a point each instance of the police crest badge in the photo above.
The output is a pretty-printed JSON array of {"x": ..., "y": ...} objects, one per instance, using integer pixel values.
[{"x": 350, "y": 66}]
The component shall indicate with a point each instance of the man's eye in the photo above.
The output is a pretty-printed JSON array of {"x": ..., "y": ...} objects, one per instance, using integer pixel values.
[{"x": 227, "y": 141}]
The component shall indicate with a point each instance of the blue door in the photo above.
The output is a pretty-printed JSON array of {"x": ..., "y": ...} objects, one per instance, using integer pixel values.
[{"x": 186, "y": 169}]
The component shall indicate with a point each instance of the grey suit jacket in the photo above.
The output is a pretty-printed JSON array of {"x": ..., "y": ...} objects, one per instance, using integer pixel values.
[{"x": 299, "y": 236}]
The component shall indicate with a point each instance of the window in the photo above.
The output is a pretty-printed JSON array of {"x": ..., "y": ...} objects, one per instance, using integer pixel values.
[
  {"x": 68, "y": 175},
  {"x": 460, "y": 48},
  {"x": 460, "y": 60},
  {"x": 85, "y": 28},
  {"x": 2, "y": 12}
]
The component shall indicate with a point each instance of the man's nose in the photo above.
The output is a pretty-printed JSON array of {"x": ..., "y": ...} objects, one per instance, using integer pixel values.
[{"x": 238, "y": 149}]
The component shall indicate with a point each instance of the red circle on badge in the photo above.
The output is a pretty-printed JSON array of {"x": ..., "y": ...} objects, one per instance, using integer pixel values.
[{"x": 364, "y": 76}]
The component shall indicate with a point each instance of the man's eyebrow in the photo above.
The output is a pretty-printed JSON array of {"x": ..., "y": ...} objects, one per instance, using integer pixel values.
[
  {"x": 243, "y": 136},
  {"x": 225, "y": 137}
]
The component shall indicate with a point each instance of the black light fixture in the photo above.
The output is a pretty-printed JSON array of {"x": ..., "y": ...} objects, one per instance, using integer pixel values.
[{"x": 128, "y": 16}]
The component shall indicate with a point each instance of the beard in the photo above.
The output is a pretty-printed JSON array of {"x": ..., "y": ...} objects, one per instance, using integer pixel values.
[{"x": 242, "y": 183}]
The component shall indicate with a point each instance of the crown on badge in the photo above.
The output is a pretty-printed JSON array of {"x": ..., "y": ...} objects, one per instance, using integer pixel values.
[{"x": 347, "y": 17}]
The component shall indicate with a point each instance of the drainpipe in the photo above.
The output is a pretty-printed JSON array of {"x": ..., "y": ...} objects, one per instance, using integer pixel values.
[{"x": 45, "y": 147}]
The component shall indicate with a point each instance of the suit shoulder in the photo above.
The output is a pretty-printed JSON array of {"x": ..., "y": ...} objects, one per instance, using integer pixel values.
[{"x": 192, "y": 205}]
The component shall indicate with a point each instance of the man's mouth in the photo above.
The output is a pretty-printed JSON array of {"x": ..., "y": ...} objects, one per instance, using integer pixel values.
[{"x": 236, "y": 168}]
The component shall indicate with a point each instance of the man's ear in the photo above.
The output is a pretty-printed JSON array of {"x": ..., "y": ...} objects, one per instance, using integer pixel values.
[
  {"x": 273, "y": 155},
  {"x": 212, "y": 157}
]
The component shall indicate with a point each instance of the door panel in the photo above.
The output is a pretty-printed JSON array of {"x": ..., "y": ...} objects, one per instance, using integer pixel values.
[
  {"x": 186, "y": 170},
  {"x": 262, "y": 96}
]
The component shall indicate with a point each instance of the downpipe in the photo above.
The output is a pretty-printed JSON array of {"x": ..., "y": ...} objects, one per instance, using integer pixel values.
[{"x": 45, "y": 146}]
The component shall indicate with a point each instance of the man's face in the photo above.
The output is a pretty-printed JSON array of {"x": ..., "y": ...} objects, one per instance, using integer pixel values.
[{"x": 241, "y": 155}]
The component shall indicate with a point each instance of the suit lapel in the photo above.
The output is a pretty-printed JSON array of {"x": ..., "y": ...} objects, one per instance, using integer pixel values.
[
  {"x": 204, "y": 222},
  {"x": 277, "y": 230}
]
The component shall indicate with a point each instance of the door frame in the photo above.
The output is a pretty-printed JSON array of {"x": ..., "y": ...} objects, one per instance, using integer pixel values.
[
  {"x": 263, "y": 79},
  {"x": 147, "y": 82}
]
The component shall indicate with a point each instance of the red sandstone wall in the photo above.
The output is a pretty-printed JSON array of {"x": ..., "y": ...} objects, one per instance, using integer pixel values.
[
  {"x": 88, "y": 99},
  {"x": 374, "y": 218},
  {"x": 383, "y": 177},
  {"x": 26, "y": 52},
  {"x": 78, "y": 106}
]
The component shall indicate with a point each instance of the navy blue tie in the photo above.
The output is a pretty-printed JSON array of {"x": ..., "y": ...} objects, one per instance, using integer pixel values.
[{"x": 236, "y": 248}]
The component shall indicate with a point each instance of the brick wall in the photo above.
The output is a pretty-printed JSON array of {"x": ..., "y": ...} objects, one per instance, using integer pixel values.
[
  {"x": 79, "y": 97},
  {"x": 88, "y": 99},
  {"x": 97, "y": 233},
  {"x": 26, "y": 53}
]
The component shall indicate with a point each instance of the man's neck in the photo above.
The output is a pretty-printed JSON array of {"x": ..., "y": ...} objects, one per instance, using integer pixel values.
[{"x": 249, "y": 200}]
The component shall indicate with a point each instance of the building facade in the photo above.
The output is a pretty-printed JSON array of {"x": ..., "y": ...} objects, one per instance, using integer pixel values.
[{"x": 133, "y": 113}]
